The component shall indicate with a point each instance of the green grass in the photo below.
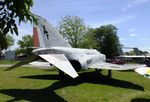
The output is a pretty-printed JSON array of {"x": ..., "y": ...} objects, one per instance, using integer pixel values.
[
  {"x": 43, "y": 85},
  {"x": 8, "y": 62}
]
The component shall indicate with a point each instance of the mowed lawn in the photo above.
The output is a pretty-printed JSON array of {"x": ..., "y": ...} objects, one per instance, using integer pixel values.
[
  {"x": 44, "y": 85},
  {"x": 8, "y": 61}
]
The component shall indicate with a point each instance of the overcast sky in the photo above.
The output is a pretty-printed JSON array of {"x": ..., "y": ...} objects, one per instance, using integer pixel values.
[{"x": 131, "y": 17}]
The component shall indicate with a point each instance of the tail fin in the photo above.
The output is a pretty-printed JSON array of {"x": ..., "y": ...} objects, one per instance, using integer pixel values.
[{"x": 45, "y": 35}]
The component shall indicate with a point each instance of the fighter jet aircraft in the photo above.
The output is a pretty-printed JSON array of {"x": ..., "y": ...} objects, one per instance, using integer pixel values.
[{"x": 52, "y": 47}]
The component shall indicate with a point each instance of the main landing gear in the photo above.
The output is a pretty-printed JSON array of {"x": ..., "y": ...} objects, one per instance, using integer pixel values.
[
  {"x": 109, "y": 73},
  {"x": 98, "y": 71}
]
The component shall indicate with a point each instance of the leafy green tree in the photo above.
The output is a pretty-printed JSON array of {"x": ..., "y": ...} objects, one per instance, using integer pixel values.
[
  {"x": 145, "y": 52},
  {"x": 25, "y": 45},
  {"x": 131, "y": 53},
  {"x": 10, "y": 40},
  {"x": 73, "y": 29},
  {"x": 3, "y": 42},
  {"x": 89, "y": 41},
  {"x": 107, "y": 40},
  {"x": 10, "y": 10}
]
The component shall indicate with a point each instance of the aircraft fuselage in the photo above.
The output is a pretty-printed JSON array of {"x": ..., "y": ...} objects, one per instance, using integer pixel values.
[{"x": 78, "y": 57}]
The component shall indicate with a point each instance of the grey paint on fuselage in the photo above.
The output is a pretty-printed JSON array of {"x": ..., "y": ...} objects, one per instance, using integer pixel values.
[{"x": 85, "y": 56}]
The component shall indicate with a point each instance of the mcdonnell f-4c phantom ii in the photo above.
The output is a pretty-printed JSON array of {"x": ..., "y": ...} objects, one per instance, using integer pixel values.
[{"x": 53, "y": 48}]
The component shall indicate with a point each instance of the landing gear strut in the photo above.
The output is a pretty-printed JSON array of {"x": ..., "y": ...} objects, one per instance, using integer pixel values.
[
  {"x": 109, "y": 73},
  {"x": 98, "y": 71}
]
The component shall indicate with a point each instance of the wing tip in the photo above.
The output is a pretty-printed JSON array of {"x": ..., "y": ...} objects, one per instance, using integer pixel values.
[{"x": 75, "y": 76}]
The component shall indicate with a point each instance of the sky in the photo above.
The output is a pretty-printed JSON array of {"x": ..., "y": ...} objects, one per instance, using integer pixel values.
[{"x": 131, "y": 17}]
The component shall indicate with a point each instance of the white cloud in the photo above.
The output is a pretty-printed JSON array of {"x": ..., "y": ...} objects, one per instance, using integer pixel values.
[
  {"x": 122, "y": 19},
  {"x": 138, "y": 1},
  {"x": 132, "y": 29},
  {"x": 132, "y": 35},
  {"x": 114, "y": 21},
  {"x": 133, "y": 3},
  {"x": 122, "y": 39}
]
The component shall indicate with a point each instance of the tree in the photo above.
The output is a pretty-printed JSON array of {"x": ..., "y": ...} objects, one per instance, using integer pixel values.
[
  {"x": 88, "y": 41},
  {"x": 26, "y": 45},
  {"x": 107, "y": 40},
  {"x": 3, "y": 42},
  {"x": 131, "y": 53},
  {"x": 10, "y": 10},
  {"x": 73, "y": 29},
  {"x": 10, "y": 40}
]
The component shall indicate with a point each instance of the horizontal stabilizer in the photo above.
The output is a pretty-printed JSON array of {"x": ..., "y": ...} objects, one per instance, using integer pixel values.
[
  {"x": 105, "y": 65},
  {"x": 61, "y": 62}
]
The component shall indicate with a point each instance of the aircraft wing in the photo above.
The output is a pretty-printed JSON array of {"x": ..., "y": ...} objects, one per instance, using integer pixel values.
[
  {"x": 105, "y": 65},
  {"x": 61, "y": 62},
  {"x": 143, "y": 71}
]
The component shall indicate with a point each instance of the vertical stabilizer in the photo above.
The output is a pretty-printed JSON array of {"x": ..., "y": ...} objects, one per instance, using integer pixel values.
[{"x": 45, "y": 35}]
